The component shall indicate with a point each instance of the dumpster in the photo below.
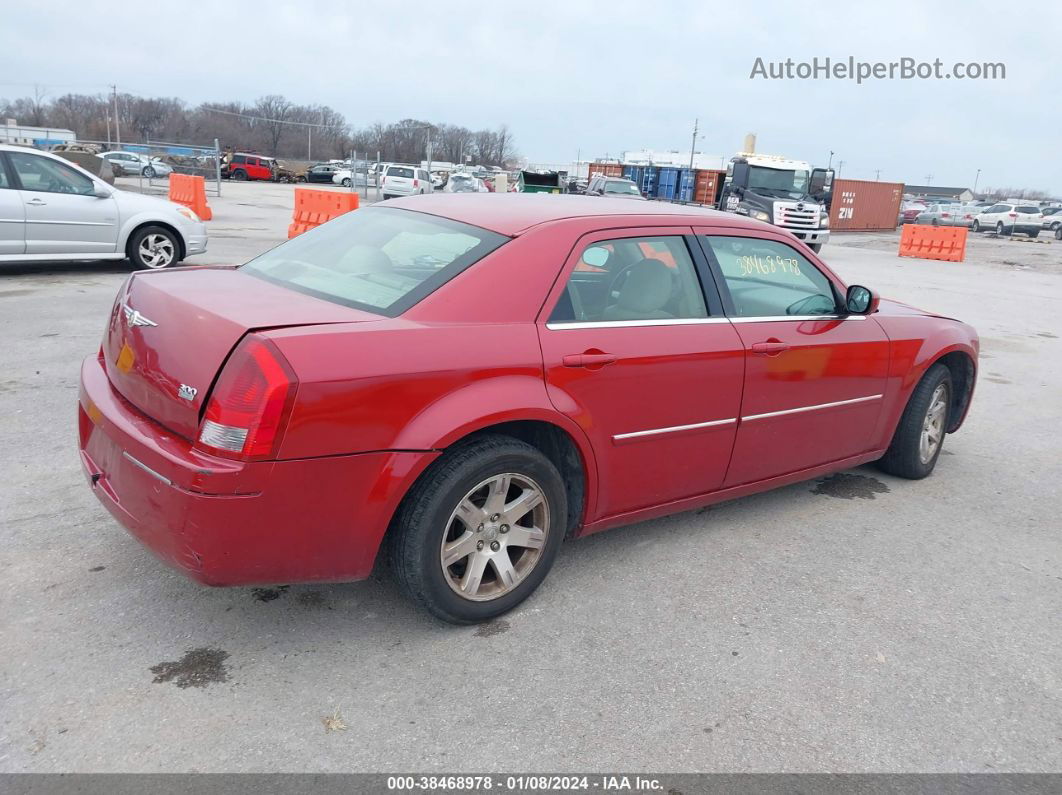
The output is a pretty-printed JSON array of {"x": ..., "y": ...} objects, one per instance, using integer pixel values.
[{"x": 533, "y": 182}]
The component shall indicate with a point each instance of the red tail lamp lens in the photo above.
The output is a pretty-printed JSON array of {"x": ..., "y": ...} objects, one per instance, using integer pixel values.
[{"x": 250, "y": 404}]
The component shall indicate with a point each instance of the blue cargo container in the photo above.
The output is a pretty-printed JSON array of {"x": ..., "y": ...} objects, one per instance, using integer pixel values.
[
  {"x": 628, "y": 173},
  {"x": 667, "y": 183},
  {"x": 647, "y": 182},
  {"x": 687, "y": 184}
]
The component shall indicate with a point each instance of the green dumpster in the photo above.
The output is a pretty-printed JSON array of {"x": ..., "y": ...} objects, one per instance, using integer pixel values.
[{"x": 534, "y": 182}]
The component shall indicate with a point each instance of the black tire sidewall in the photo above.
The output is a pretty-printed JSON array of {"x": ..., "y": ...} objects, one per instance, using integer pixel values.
[
  {"x": 903, "y": 458},
  {"x": 132, "y": 250},
  {"x": 439, "y": 494}
]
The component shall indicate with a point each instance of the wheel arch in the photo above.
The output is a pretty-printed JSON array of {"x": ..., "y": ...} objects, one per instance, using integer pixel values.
[
  {"x": 963, "y": 376},
  {"x": 136, "y": 225}
]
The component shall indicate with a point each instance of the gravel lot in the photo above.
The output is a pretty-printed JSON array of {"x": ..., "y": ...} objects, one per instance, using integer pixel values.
[{"x": 857, "y": 623}]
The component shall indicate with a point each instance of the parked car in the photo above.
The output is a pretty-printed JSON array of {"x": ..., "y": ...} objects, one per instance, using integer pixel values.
[
  {"x": 242, "y": 167},
  {"x": 467, "y": 382},
  {"x": 346, "y": 178},
  {"x": 405, "y": 181},
  {"x": 577, "y": 185},
  {"x": 1006, "y": 219},
  {"x": 614, "y": 187},
  {"x": 322, "y": 172},
  {"x": 1052, "y": 218},
  {"x": 909, "y": 211},
  {"x": 948, "y": 215},
  {"x": 54, "y": 210},
  {"x": 132, "y": 163},
  {"x": 461, "y": 182},
  {"x": 92, "y": 163}
]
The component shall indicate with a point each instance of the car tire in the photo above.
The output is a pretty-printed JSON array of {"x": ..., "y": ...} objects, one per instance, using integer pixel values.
[
  {"x": 1058, "y": 233},
  {"x": 387, "y": 196},
  {"x": 976, "y": 227},
  {"x": 919, "y": 437},
  {"x": 999, "y": 229},
  {"x": 1034, "y": 234},
  {"x": 239, "y": 175},
  {"x": 934, "y": 222},
  {"x": 148, "y": 172},
  {"x": 153, "y": 248},
  {"x": 346, "y": 182},
  {"x": 428, "y": 519}
]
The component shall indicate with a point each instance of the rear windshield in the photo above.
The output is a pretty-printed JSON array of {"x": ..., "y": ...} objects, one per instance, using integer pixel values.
[
  {"x": 1033, "y": 210},
  {"x": 621, "y": 187},
  {"x": 400, "y": 172},
  {"x": 381, "y": 260}
]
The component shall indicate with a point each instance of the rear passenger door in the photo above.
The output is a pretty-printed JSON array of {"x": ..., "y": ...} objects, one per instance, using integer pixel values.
[{"x": 643, "y": 360}]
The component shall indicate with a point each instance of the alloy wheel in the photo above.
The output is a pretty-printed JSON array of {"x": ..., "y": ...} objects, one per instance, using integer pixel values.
[
  {"x": 494, "y": 537},
  {"x": 156, "y": 251},
  {"x": 933, "y": 425}
]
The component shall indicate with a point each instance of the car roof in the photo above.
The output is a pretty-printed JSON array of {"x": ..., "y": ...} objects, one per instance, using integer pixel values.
[{"x": 513, "y": 213}]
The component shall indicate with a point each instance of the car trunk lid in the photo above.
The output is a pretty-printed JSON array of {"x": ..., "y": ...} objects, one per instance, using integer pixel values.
[{"x": 170, "y": 333}]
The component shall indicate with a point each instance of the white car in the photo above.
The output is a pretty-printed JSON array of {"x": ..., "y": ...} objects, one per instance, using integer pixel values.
[
  {"x": 1006, "y": 219},
  {"x": 405, "y": 181},
  {"x": 464, "y": 183},
  {"x": 346, "y": 178},
  {"x": 52, "y": 210},
  {"x": 1052, "y": 218},
  {"x": 136, "y": 163}
]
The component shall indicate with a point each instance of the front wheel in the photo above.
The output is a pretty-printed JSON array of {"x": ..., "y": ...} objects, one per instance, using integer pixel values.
[
  {"x": 976, "y": 226},
  {"x": 1058, "y": 233},
  {"x": 999, "y": 229},
  {"x": 479, "y": 531},
  {"x": 239, "y": 175},
  {"x": 153, "y": 248},
  {"x": 346, "y": 182},
  {"x": 919, "y": 437},
  {"x": 149, "y": 172}
]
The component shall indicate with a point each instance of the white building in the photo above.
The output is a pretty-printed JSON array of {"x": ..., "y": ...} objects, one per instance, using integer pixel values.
[
  {"x": 11, "y": 132},
  {"x": 674, "y": 157}
]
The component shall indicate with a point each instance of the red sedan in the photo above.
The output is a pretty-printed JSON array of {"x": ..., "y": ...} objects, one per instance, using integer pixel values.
[{"x": 471, "y": 379}]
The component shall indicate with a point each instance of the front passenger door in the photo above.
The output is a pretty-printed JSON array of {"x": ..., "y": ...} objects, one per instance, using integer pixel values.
[
  {"x": 814, "y": 375},
  {"x": 12, "y": 215},
  {"x": 63, "y": 214}
]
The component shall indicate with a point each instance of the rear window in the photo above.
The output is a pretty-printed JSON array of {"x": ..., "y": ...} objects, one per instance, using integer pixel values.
[
  {"x": 394, "y": 171},
  {"x": 381, "y": 260},
  {"x": 620, "y": 187},
  {"x": 1033, "y": 210}
]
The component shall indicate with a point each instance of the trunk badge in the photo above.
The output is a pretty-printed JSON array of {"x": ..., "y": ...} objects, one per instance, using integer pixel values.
[
  {"x": 185, "y": 391},
  {"x": 134, "y": 318}
]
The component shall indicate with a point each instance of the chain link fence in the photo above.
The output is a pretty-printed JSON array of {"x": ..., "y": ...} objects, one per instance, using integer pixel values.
[{"x": 150, "y": 164}]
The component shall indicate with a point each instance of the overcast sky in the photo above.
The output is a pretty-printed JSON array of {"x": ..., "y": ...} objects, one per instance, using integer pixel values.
[{"x": 572, "y": 77}]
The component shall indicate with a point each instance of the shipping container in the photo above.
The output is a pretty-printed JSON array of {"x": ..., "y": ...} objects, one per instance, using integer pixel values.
[
  {"x": 608, "y": 169},
  {"x": 667, "y": 183},
  {"x": 635, "y": 174},
  {"x": 864, "y": 206},
  {"x": 708, "y": 187},
  {"x": 687, "y": 184},
  {"x": 647, "y": 184}
]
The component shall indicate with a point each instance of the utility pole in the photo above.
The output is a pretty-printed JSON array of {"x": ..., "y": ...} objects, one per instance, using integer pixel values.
[
  {"x": 117, "y": 134},
  {"x": 877, "y": 175},
  {"x": 840, "y": 165},
  {"x": 976, "y": 177},
  {"x": 830, "y": 164},
  {"x": 309, "y": 137},
  {"x": 693, "y": 143},
  {"x": 929, "y": 179}
]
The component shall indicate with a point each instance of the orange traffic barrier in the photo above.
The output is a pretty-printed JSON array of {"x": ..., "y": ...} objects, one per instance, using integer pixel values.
[
  {"x": 315, "y": 207},
  {"x": 190, "y": 191},
  {"x": 946, "y": 243}
]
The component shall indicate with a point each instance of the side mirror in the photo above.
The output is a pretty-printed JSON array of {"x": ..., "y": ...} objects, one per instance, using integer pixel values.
[
  {"x": 861, "y": 300},
  {"x": 100, "y": 192}
]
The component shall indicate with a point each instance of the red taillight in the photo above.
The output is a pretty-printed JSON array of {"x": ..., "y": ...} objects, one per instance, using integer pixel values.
[
  {"x": 250, "y": 403},
  {"x": 416, "y": 183},
  {"x": 1012, "y": 215},
  {"x": 945, "y": 215}
]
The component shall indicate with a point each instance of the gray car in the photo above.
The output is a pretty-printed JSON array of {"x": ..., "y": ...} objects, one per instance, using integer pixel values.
[{"x": 948, "y": 215}]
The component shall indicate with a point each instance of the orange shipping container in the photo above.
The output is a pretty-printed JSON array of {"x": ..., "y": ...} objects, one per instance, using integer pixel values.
[
  {"x": 608, "y": 169},
  {"x": 864, "y": 206},
  {"x": 709, "y": 184}
]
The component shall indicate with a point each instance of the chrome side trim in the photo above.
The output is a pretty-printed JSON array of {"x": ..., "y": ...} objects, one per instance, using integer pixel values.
[
  {"x": 690, "y": 321},
  {"x": 811, "y": 408},
  {"x": 673, "y": 429},
  {"x": 773, "y": 318},
  {"x": 146, "y": 468}
]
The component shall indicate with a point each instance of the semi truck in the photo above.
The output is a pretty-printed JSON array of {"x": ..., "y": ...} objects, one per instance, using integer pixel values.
[{"x": 787, "y": 193}]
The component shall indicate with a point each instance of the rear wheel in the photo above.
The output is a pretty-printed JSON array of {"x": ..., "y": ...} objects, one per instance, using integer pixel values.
[
  {"x": 153, "y": 248},
  {"x": 387, "y": 196},
  {"x": 1035, "y": 233},
  {"x": 346, "y": 182},
  {"x": 976, "y": 226},
  {"x": 479, "y": 531},
  {"x": 239, "y": 175},
  {"x": 919, "y": 437}
]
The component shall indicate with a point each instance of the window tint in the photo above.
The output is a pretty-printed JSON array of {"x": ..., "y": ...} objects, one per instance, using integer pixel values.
[
  {"x": 49, "y": 176},
  {"x": 769, "y": 279},
  {"x": 396, "y": 171},
  {"x": 376, "y": 259},
  {"x": 634, "y": 278},
  {"x": 1033, "y": 210},
  {"x": 239, "y": 159}
]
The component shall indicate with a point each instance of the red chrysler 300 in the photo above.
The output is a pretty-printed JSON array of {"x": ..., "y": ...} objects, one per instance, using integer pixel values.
[{"x": 470, "y": 379}]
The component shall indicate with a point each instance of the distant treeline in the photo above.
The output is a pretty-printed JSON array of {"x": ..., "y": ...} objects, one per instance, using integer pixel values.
[{"x": 268, "y": 126}]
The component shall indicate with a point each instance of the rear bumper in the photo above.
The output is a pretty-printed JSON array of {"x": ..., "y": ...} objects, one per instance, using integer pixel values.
[{"x": 224, "y": 522}]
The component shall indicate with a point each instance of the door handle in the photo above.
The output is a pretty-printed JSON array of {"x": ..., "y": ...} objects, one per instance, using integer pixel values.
[
  {"x": 36, "y": 202},
  {"x": 770, "y": 347},
  {"x": 591, "y": 359}
]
